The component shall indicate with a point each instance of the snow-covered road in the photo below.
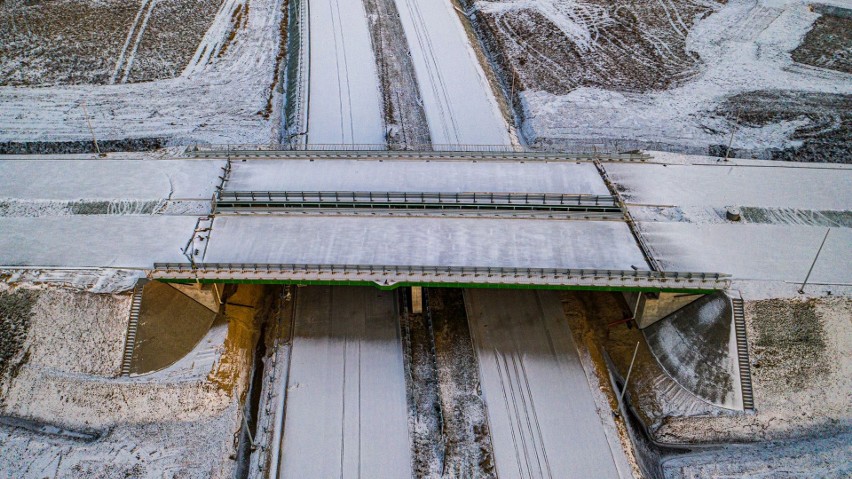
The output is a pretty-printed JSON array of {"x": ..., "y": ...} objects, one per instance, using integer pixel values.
[
  {"x": 344, "y": 105},
  {"x": 423, "y": 241},
  {"x": 543, "y": 419},
  {"x": 455, "y": 176},
  {"x": 117, "y": 180},
  {"x": 459, "y": 102},
  {"x": 346, "y": 413}
]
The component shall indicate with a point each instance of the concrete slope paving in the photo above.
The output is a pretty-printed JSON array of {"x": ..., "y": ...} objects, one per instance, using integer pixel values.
[
  {"x": 543, "y": 419},
  {"x": 346, "y": 413},
  {"x": 459, "y": 102},
  {"x": 344, "y": 102}
]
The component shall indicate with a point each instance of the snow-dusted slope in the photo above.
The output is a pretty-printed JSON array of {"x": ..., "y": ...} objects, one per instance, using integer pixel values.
[{"x": 460, "y": 105}]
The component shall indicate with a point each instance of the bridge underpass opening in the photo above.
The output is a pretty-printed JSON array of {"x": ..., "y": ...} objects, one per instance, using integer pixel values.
[{"x": 582, "y": 323}]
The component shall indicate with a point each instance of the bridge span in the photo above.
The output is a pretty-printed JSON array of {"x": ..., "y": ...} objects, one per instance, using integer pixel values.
[{"x": 498, "y": 219}]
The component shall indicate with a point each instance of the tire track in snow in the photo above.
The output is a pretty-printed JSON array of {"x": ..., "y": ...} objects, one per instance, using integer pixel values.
[
  {"x": 128, "y": 40},
  {"x": 439, "y": 88},
  {"x": 530, "y": 370},
  {"x": 141, "y": 32},
  {"x": 346, "y": 412}
]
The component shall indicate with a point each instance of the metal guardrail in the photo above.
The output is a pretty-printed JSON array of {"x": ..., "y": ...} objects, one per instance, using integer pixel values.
[
  {"x": 348, "y": 200},
  {"x": 387, "y": 275},
  {"x": 415, "y": 151}
]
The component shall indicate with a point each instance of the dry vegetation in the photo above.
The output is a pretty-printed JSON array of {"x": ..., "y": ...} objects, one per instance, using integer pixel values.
[
  {"x": 633, "y": 46},
  {"x": 828, "y": 44},
  {"x": 173, "y": 33},
  {"x": 62, "y": 42},
  {"x": 71, "y": 42},
  {"x": 15, "y": 308},
  {"x": 827, "y": 136}
]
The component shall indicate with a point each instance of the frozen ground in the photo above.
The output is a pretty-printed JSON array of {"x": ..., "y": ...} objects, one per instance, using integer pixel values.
[
  {"x": 346, "y": 401},
  {"x": 423, "y": 241},
  {"x": 150, "y": 427},
  {"x": 459, "y": 102},
  {"x": 220, "y": 96},
  {"x": 77, "y": 42},
  {"x": 543, "y": 419},
  {"x": 417, "y": 176},
  {"x": 693, "y": 66},
  {"x": 818, "y": 456}
]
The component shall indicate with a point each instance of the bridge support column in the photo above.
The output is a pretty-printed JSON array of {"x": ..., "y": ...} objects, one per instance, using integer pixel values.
[{"x": 416, "y": 299}]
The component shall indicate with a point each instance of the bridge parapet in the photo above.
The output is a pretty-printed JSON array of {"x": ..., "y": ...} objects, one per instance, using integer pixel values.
[
  {"x": 584, "y": 206},
  {"x": 392, "y": 276},
  {"x": 370, "y": 151}
]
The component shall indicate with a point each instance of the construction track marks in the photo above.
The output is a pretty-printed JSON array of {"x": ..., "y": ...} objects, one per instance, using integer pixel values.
[
  {"x": 543, "y": 419},
  {"x": 346, "y": 413}
]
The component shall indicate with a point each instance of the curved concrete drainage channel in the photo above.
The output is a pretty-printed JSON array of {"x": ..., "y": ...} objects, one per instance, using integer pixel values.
[
  {"x": 166, "y": 323},
  {"x": 702, "y": 346}
]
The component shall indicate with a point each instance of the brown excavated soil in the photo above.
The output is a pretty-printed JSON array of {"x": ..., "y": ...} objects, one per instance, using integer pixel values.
[
  {"x": 828, "y": 44},
  {"x": 61, "y": 42},
  {"x": 72, "y": 42},
  {"x": 635, "y": 46},
  {"x": 827, "y": 136}
]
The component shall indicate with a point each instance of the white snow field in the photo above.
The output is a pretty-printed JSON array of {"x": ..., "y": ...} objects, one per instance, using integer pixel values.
[
  {"x": 459, "y": 102},
  {"x": 346, "y": 410},
  {"x": 456, "y": 176},
  {"x": 94, "y": 240},
  {"x": 745, "y": 183},
  {"x": 745, "y": 45},
  {"x": 543, "y": 419},
  {"x": 216, "y": 99},
  {"x": 344, "y": 105},
  {"x": 423, "y": 241},
  {"x": 75, "y": 179}
]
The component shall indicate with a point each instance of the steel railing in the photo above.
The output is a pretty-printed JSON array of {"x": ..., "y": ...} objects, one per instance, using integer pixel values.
[
  {"x": 425, "y": 271},
  {"x": 590, "y": 149},
  {"x": 239, "y": 200}
]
